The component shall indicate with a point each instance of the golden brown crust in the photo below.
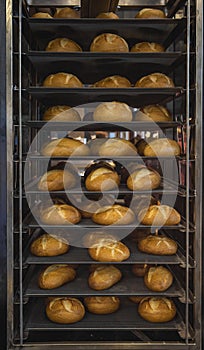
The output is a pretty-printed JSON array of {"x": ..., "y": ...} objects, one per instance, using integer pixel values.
[
  {"x": 102, "y": 305},
  {"x": 159, "y": 309},
  {"x": 104, "y": 277},
  {"x": 157, "y": 113},
  {"x": 112, "y": 112},
  {"x": 62, "y": 45},
  {"x": 66, "y": 12},
  {"x": 144, "y": 179},
  {"x": 94, "y": 237},
  {"x": 56, "y": 180},
  {"x": 139, "y": 269},
  {"x": 108, "y": 42},
  {"x": 65, "y": 147},
  {"x": 55, "y": 276},
  {"x": 41, "y": 15},
  {"x": 159, "y": 215},
  {"x": 158, "y": 278},
  {"x": 162, "y": 148},
  {"x": 107, "y": 15},
  {"x": 102, "y": 179},
  {"x": 157, "y": 245},
  {"x": 114, "y": 81},
  {"x": 62, "y": 80},
  {"x": 155, "y": 80},
  {"x": 150, "y": 13},
  {"x": 117, "y": 147},
  {"x": 107, "y": 249},
  {"x": 146, "y": 46},
  {"x": 115, "y": 214},
  {"x": 61, "y": 113},
  {"x": 60, "y": 214},
  {"x": 136, "y": 298},
  {"x": 47, "y": 245},
  {"x": 65, "y": 310}
]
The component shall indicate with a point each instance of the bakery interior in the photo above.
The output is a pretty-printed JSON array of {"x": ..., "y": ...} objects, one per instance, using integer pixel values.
[{"x": 103, "y": 153}]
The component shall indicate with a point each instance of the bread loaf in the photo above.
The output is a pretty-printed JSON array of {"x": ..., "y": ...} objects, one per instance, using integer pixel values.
[
  {"x": 144, "y": 179},
  {"x": 158, "y": 278},
  {"x": 147, "y": 47},
  {"x": 62, "y": 80},
  {"x": 157, "y": 245},
  {"x": 48, "y": 245},
  {"x": 159, "y": 215},
  {"x": 155, "y": 80},
  {"x": 157, "y": 309},
  {"x": 112, "y": 112},
  {"x": 65, "y": 147},
  {"x": 41, "y": 15},
  {"x": 114, "y": 81},
  {"x": 117, "y": 147},
  {"x": 66, "y": 12},
  {"x": 157, "y": 113},
  {"x": 62, "y": 45},
  {"x": 108, "y": 42},
  {"x": 56, "y": 180},
  {"x": 102, "y": 305},
  {"x": 61, "y": 113},
  {"x": 65, "y": 310},
  {"x": 162, "y": 148},
  {"x": 107, "y": 15},
  {"x": 113, "y": 215},
  {"x": 104, "y": 277},
  {"x": 150, "y": 13},
  {"x": 60, "y": 214},
  {"x": 55, "y": 276},
  {"x": 109, "y": 250},
  {"x": 102, "y": 179}
]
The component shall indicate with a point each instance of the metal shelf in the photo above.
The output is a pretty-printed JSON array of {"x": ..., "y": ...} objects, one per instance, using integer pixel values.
[{"x": 129, "y": 285}]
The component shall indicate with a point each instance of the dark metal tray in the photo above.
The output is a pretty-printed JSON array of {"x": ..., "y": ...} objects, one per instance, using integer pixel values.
[
  {"x": 95, "y": 66},
  {"x": 163, "y": 31},
  {"x": 77, "y": 255},
  {"x": 80, "y": 96},
  {"x": 126, "y": 317},
  {"x": 129, "y": 285}
]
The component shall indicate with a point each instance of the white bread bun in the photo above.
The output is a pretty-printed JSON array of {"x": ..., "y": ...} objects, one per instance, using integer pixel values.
[
  {"x": 66, "y": 12},
  {"x": 108, "y": 42},
  {"x": 157, "y": 113},
  {"x": 63, "y": 45},
  {"x": 155, "y": 80},
  {"x": 144, "y": 179},
  {"x": 41, "y": 15},
  {"x": 162, "y": 148},
  {"x": 112, "y": 112},
  {"x": 150, "y": 13},
  {"x": 157, "y": 309},
  {"x": 107, "y": 15},
  {"x": 65, "y": 147},
  {"x": 145, "y": 46},
  {"x": 114, "y": 81},
  {"x": 62, "y": 80},
  {"x": 61, "y": 113},
  {"x": 117, "y": 147},
  {"x": 159, "y": 215},
  {"x": 65, "y": 310}
]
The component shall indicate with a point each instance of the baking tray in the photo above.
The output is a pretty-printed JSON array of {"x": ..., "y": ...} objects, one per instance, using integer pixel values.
[
  {"x": 80, "y": 96},
  {"x": 125, "y": 318},
  {"x": 91, "y": 67},
  {"x": 129, "y": 285},
  {"x": 94, "y": 126},
  {"x": 77, "y": 255},
  {"x": 163, "y": 31}
]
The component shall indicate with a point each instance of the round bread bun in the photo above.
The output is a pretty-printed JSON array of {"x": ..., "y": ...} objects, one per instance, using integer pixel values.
[
  {"x": 95, "y": 144},
  {"x": 157, "y": 113},
  {"x": 41, "y": 15},
  {"x": 62, "y": 80},
  {"x": 102, "y": 179},
  {"x": 162, "y": 148},
  {"x": 150, "y": 13},
  {"x": 145, "y": 46},
  {"x": 159, "y": 215},
  {"x": 94, "y": 237},
  {"x": 139, "y": 269},
  {"x": 56, "y": 180},
  {"x": 102, "y": 305},
  {"x": 113, "y": 215},
  {"x": 155, "y": 80},
  {"x": 109, "y": 250},
  {"x": 108, "y": 42},
  {"x": 157, "y": 245},
  {"x": 114, "y": 81},
  {"x": 65, "y": 147},
  {"x": 117, "y": 147},
  {"x": 55, "y": 276},
  {"x": 61, "y": 113},
  {"x": 65, "y": 310},
  {"x": 136, "y": 298},
  {"x": 66, "y": 12},
  {"x": 107, "y": 15},
  {"x": 63, "y": 45},
  {"x": 60, "y": 214},
  {"x": 157, "y": 309},
  {"x": 104, "y": 277},
  {"x": 144, "y": 179},
  {"x": 112, "y": 112},
  {"x": 158, "y": 278},
  {"x": 47, "y": 245}
]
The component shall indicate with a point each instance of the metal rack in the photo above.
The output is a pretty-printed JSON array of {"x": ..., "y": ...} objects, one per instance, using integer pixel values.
[{"x": 181, "y": 35}]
